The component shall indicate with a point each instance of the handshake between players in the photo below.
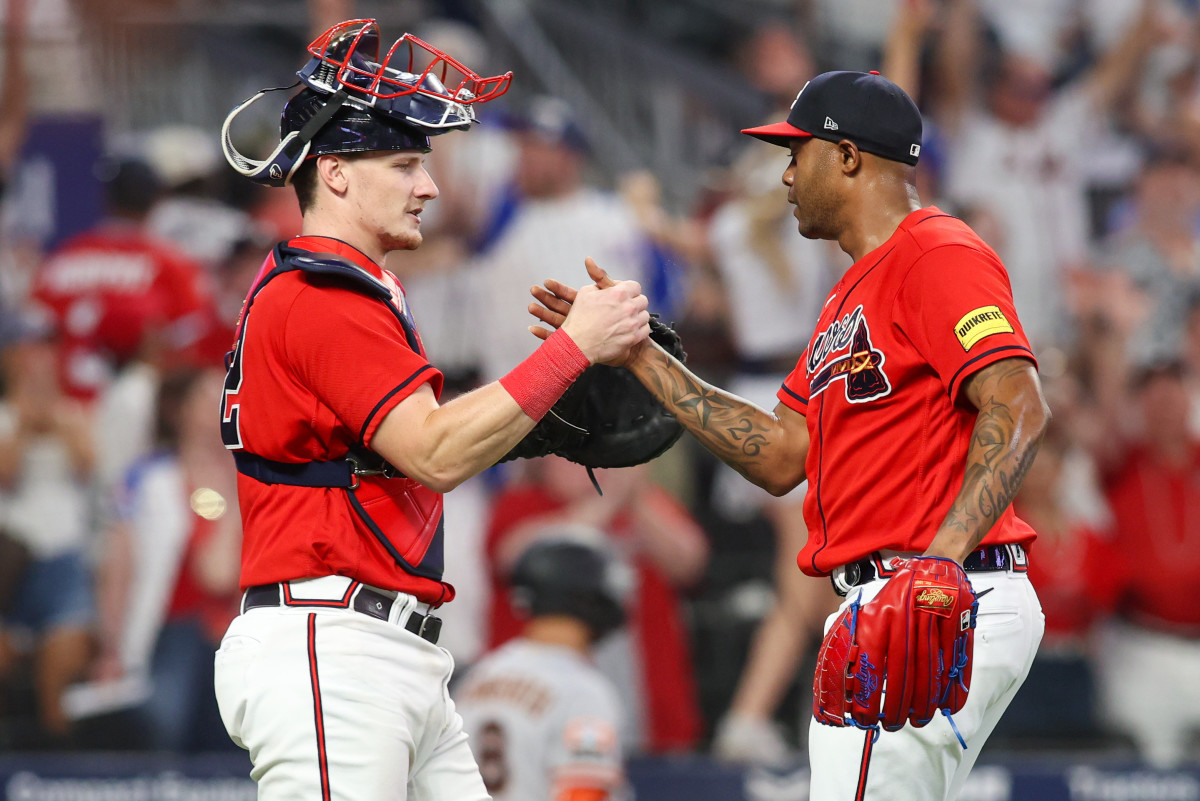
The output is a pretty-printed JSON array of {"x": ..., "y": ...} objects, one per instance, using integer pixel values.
[{"x": 608, "y": 320}]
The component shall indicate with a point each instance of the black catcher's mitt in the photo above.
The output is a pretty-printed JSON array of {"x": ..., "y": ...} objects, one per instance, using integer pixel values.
[{"x": 607, "y": 418}]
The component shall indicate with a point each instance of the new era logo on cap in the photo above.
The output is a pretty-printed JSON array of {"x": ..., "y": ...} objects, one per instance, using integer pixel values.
[{"x": 864, "y": 108}]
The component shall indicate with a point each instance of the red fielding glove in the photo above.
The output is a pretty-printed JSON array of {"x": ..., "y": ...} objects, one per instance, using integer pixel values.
[{"x": 902, "y": 656}]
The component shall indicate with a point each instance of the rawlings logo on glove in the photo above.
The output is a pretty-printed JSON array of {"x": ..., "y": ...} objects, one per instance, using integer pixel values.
[
  {"x": 936, "y": 599},
  {"x": 902, "y": 656}
]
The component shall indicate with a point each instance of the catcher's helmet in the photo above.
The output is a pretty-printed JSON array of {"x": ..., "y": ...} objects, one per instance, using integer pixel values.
[
  {"x": 573, "y": 576},
  {"x": 353, "y": 129},
  {"x": 354, "y": 101}
]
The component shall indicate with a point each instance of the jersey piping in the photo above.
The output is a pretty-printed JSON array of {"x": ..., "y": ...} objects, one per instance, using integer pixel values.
[{"x": 362, "y": 434}]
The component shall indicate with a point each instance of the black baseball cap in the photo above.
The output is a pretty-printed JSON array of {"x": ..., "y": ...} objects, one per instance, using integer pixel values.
[{"x": 864, "y": 107}]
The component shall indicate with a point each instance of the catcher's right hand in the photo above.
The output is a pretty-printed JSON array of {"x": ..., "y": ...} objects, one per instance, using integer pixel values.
[
  {"x": 605, "y": 323},
  {"x": 902, "y": 656},
  {"x": 556, "y": 299}
]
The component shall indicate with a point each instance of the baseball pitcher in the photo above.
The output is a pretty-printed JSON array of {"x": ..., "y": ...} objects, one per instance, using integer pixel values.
[{"x": 914, "y": 413}]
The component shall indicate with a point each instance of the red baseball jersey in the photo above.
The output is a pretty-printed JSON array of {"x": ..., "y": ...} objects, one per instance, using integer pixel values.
[
  {"x": 318, "y": 367},
  {"x": 1156, "y": 511},
  {"x": 1077, "y": 576},
  {"x": 107, "y": 288},
  {"x": 881, "y": 383}
]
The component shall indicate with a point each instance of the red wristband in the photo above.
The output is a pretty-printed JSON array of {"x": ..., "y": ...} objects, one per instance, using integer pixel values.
[{"x": 539, "y": 381}]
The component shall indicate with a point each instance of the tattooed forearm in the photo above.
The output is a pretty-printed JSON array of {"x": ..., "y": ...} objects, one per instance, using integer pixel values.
[
  {"x": 996, "y": 465},
  {"x": 736, "y": 431},
  {"x": 752, "y": 441},
  {"x": 1008, "y": 430}
]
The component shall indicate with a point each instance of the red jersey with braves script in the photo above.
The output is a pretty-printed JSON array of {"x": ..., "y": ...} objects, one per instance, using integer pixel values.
[
  {"x": 881, "y": 383},
  {"x": 321, "y": 365}
]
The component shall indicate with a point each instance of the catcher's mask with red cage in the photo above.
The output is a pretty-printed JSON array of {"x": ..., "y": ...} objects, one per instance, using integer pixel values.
[{"x": 354, "y": 101}]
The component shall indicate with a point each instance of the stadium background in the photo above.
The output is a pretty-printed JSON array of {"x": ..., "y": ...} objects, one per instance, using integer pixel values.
[{"x": 652, "y": 93}]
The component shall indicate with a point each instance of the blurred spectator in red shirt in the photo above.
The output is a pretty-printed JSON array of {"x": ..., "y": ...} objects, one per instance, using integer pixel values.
[
  {"x": 1154, "y": 491},
  {"x": 1072, "y": 563},
  {"x": 668, "y": 552},
  {"x": 108, "y": 290},
  {"x": 1153, "y": 486},
  {"x": 1072, "y": 568}
]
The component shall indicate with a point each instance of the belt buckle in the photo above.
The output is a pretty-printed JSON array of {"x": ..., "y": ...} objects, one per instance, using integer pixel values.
[
  {"x": 846, "y": 578},
  {"x": 1020, "y": 559},
  {"x": 430, "y": 628}
]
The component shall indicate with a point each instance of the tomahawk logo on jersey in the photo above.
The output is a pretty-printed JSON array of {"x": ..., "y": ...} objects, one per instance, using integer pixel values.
[{"x": 844, "y": 351}]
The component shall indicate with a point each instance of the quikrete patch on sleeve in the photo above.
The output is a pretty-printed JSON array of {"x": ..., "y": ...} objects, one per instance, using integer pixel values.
[{"x": 979, "y": 323}]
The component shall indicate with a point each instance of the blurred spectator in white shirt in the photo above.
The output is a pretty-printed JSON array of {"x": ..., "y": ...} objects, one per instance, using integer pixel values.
[{"x": 1018, "y": 162}]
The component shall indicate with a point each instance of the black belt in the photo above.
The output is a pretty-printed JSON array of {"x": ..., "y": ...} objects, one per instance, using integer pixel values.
[
  {"x": 989, "y": 558},
  {"x": 365, "y": 600}
]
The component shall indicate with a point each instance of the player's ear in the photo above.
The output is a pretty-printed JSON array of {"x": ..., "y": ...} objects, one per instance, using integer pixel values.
[
  {"x": 849, "y": 157},
  {"x": 331, "y": 169}
]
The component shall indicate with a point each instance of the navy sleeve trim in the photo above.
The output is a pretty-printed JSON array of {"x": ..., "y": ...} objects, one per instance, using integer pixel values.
[
  {"x": 958, "y": 376},
  {"x": 367, "y": 423},
  {"x": 794, "y": 395},
  {"x": 932, "y": 217}
]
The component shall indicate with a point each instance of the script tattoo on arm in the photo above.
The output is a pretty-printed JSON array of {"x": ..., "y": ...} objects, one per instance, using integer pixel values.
[
  {"x": 1008, "y": 430},
  {"x": 735, "y": 430}
]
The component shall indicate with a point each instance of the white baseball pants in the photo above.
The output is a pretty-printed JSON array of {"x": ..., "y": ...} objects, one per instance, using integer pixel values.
[
  {"x": 929, "y": 764},
  {"x": 334, "y": 705}
]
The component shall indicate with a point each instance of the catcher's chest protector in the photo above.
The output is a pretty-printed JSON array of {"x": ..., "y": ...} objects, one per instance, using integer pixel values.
[{"x": 405, "y": 517}]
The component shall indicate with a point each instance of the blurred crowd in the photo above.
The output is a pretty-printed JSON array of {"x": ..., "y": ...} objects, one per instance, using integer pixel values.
[{"x": 1067, "y": 132}]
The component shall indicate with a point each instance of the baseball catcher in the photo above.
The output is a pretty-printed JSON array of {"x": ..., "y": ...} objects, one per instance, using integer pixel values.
[
  {"x": 331, "y": 676},
  {"x": 903, "y": 655}
]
